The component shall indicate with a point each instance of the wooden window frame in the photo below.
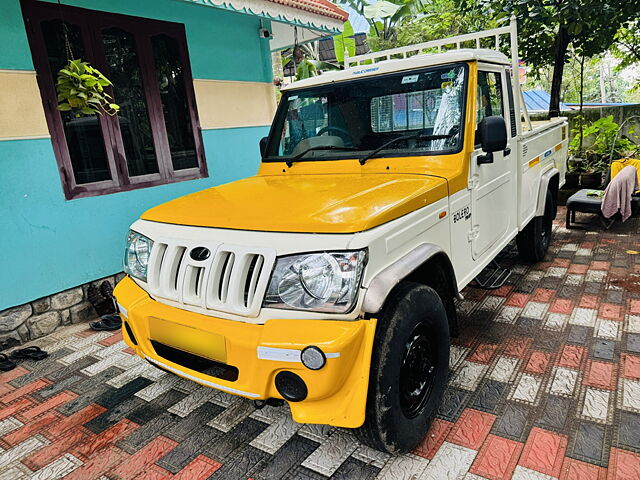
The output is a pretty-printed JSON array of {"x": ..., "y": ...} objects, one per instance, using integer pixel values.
[{"x": 91, "y": 24}]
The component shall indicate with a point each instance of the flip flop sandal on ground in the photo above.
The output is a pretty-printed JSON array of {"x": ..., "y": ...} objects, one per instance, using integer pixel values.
[
  {"x": 107, "y": 322},
  {"x": 5, "y": 363},
  {"x": 30, "y": 353}
]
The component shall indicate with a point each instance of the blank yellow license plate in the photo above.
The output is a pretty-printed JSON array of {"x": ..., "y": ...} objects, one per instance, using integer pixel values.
[{"x": 189, "y": 339}]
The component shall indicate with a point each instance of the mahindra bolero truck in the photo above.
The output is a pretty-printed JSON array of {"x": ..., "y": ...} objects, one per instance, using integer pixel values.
[{"x": 330, "y": 279}]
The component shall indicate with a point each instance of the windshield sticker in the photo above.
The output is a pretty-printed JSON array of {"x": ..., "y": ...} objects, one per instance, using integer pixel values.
[
  {"x": 450, "y": 75},
  {"x": 293, "y": 97},
  {"x": 410, "y": 79},
  {"x": 445, "y": 85}
]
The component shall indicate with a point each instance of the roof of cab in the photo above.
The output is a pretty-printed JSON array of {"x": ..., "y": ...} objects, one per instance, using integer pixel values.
[{"x": 401, "y": 64}]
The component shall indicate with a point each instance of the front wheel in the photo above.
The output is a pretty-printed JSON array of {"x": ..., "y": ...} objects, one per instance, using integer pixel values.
[
  {"x": 409, "y": 369},
  {"x": 533, "y": 241}
]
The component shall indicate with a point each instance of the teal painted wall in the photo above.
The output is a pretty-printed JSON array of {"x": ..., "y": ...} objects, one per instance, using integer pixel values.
[
  {"x": 14, "y": 54},
  {"x": 49, "y": 244},
  {"x": 223, "y": 45}
]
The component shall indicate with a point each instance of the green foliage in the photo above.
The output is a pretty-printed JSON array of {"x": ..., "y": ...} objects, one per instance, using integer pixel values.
[
  {"x": 590, "y": 24},
  {"x": 598, "y": 138},
  {"x": 384, "y": 17},
  {"x": 80, "y": 89},
  {"x": 306, "y": 69},
  {"x": 381, "y": 9},
  {"x": 627, "y": 49},
  {"x": 344, "y": 41},
  {"x": 548, "y": 28}
]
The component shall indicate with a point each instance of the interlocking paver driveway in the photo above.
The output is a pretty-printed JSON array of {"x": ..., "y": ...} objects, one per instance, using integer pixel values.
[{"x": 545, "y": 383}]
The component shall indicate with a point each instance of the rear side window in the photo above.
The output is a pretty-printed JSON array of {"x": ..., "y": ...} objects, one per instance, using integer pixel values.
[{"x": 489, "y": 98}]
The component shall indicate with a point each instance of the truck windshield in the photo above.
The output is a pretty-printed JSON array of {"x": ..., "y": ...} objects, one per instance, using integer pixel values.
[{"x": 351, "y": 118}]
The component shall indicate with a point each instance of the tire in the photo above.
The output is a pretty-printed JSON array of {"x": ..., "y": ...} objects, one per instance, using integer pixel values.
[
  {"x": 412, "y": 338},
  {"x": 533, "y": 241}
]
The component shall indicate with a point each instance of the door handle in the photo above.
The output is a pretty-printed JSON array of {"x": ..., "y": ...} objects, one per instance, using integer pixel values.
[{"x": 507, "y": 152}]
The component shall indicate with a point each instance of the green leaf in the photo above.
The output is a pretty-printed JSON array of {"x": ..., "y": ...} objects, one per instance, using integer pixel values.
[
  {"x": 344, "y": 41},
  {"x": 64, "y": 107},
  {"x": 381, "y": 9},
  {"x": 88, "y": 110}
]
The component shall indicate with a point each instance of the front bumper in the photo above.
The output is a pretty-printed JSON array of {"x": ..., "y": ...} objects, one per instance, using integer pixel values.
[{"x": 337, "y": 393}]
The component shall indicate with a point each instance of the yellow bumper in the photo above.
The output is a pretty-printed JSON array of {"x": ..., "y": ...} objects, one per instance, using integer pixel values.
[{"x": 337, "y": 393}]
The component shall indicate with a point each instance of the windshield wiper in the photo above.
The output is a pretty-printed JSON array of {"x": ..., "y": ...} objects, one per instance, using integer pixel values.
[
  {"x": 418, "y": 135},
  {"x": 290, "y": 161}
]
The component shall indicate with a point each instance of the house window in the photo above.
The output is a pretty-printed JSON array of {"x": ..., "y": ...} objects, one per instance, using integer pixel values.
[{"x": 155, "y": 138}]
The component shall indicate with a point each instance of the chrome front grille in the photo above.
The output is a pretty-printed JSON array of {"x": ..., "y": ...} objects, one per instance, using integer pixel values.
[{"x": 231, "y": 279}]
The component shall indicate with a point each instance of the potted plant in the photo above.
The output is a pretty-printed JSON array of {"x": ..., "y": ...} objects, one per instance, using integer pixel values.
[
  {"x": 572, "y": 177},
  {"x": 593, "y": 169},
  {"x": 81, "y": 90}
]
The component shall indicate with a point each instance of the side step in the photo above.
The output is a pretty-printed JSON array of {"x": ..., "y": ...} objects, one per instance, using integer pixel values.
[{"x": 492, "y": 277}]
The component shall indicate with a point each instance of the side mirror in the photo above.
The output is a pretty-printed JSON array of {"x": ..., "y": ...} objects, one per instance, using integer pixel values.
[
  {"x": 263, "y": 146},
  {"x": 493, "y": 137}
]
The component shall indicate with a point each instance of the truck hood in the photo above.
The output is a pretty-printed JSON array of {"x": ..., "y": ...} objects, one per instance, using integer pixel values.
[{"x": 343, "y": 203}]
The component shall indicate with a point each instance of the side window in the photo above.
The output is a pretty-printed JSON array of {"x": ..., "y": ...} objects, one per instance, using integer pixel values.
[{"x": 489, "y": 98}]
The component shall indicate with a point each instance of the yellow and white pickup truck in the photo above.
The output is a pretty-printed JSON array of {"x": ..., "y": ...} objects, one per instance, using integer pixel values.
[{"x": 329, "y": 279}]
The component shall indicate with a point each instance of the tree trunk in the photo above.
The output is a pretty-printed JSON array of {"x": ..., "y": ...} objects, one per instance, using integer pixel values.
[
  {"x": 560, "y": 52},
  {"x": 581, "y": 103}
]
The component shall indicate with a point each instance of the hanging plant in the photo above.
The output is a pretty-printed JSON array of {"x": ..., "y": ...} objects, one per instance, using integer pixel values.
[{"x": 80, "y": 89}]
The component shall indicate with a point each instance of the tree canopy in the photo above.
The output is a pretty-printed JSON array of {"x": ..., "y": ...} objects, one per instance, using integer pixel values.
[{"x": 547, "y": 28}]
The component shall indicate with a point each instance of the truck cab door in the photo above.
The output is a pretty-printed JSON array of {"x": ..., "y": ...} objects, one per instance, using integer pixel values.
[{"x": 493, "y": 185}]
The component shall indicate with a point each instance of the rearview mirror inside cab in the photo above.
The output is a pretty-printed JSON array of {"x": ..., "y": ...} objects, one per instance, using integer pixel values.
[{"x": 493, "y": 137}]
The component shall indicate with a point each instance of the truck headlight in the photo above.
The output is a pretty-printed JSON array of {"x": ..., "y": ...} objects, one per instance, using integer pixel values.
[
  {"x": 136, "y": 255},
  {"x": 321, "y": 282}
]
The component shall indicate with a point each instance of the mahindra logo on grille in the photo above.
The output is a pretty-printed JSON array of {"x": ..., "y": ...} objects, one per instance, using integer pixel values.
[{"x": 200, "y": 253}]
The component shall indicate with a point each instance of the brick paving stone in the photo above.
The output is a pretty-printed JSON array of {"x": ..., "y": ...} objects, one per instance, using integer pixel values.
[
  {"x": 603, "y": 349},
  {"x": 538, "y": 362},
  {"x": 453, "y": 402},
  {"x": 489, "y": 394},
  {"x": 623, "y": 465},
  {"x": 544, "y": 452},
  {"x": 555, "y": 413},
  {"x": 292, "y": 453},
  {"x": 601, "y": 375},
  {"x": 633, "y": 343},
  {"x": 629, "y": 395},
  {"x": 450, "y": 462},
  {"x": 497, "y": 458},
  {"x": 242, "y": 465},
  {"x": 578, "y": 334},
  {"x": 433, "y": 440},
  {"x": 188, "y": 450},
  {"x": 405, "y": 467},
  {"x": 148, "y": 455},
  {"x": 576, "y": 470},
  {"x": 630, "y": 366},
  {"x": 471, "y": 429},
  {"x": 589, "y": 443},
  {"x": 628, "y": 431},
  {"x": 513, "y": 422},
  {"x": 571, "y": 356}
]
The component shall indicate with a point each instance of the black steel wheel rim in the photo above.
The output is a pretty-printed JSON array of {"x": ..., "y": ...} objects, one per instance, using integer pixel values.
[{"x": 417, "y": 373}]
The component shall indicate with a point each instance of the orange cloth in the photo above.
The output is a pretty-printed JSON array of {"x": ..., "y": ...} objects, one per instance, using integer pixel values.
[{"x": 618, "y": 165}]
